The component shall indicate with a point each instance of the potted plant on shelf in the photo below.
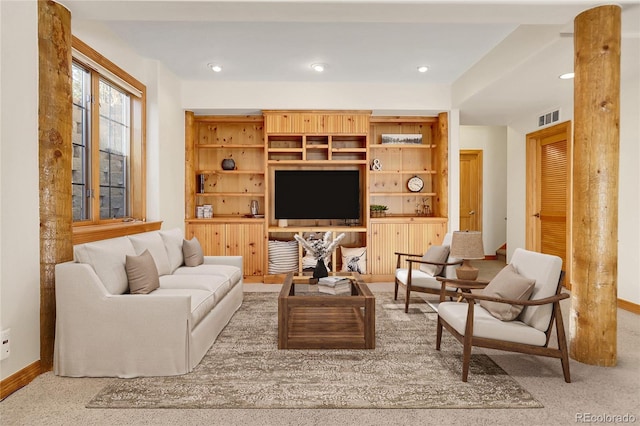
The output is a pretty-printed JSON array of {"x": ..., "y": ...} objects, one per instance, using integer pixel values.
[{"x": 378, "y": 210}]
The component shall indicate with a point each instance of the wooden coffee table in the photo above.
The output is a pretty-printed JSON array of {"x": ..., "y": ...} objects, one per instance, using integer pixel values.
[{"x": 308, "y": 319}]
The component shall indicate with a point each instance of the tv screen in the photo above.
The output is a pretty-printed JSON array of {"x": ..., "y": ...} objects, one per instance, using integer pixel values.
[{"x": 317, "y": 194}]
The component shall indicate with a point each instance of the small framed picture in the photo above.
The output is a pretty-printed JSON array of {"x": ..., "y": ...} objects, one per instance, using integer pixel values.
[{"x": 404, "y": 138}]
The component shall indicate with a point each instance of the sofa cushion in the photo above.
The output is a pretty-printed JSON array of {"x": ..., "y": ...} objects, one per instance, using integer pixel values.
[
  {"x": 231, "y": 273},
  {"x": 507, "y": 284},
  {"x": 142, "y": 273},
  {"x": 152, "y": 241},
  {"x": 192, "y": 252},
  {"x": 213, "y": 283},
  {"x": 202, "y": 301},
  {"x": 487, "y": 326},
  {"x": 172, "y": 239},
  {"x": 437, "y": 254},
  {"x": 107, "y": 258}
]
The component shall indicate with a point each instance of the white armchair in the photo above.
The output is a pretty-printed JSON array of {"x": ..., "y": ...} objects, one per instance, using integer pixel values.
[
  {"x": 423, "y": 278},
  {"x": 529, "y": 332}
]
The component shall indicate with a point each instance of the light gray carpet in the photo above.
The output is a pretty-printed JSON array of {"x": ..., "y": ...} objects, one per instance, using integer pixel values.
[{"x": 244, "y": 369}]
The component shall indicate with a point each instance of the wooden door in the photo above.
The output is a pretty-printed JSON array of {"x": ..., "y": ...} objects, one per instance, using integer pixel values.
[
  {"x": 548, "y": 192},
  {"x": 471, "y": 190}
]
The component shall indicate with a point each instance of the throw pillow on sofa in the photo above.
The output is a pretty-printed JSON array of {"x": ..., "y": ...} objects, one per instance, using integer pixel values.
[
  {"x": 142, "y": 273},
  {"x": 192, "y": 251},
  {"x": 507, "y": 284}
]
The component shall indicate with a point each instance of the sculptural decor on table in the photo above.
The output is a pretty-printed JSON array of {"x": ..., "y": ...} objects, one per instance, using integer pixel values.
[{"x": 320, "y": 249}]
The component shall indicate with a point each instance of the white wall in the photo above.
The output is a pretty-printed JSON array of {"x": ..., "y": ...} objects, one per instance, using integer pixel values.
[
  {"x": 19, "y": 186},
  {"x": 171, "y": 200},
  {"x": 209, "y": 95},
  {"x": 492, "y": 140},
  {"x": 629, "y": 184}
]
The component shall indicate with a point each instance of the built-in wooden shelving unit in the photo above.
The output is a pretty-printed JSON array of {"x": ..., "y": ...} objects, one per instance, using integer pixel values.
[{"x": 348, "y": 140}]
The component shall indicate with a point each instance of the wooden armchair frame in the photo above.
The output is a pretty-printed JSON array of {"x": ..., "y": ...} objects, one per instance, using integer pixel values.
[
  {"x": 417, "y": 258},
  {"x": 468, "y": 340}
]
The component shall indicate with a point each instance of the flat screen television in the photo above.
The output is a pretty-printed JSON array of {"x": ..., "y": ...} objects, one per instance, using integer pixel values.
[{"x": 317, "y": 194}]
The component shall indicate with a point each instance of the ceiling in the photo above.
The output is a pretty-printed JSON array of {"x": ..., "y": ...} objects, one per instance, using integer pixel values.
[{"x": 484, "y": 49}]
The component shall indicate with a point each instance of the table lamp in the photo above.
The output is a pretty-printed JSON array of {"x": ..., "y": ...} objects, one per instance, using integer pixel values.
[{"x": 467, "y": 245}]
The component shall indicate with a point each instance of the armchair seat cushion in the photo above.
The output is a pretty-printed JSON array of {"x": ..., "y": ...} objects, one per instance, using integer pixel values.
[
  {"x": 487, "y": 326},
  {"x": 420, "y": 279}
]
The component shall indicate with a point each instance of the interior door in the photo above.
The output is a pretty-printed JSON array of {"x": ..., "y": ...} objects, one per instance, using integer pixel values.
[
  {"x": 548, "y": 192},
  {"x": 471, "y": 190}
]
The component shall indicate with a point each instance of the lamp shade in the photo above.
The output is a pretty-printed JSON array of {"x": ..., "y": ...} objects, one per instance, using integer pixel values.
[{"x": 467, "y": 245}]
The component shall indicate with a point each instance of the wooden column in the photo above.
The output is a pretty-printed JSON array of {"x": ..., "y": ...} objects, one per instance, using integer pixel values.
[
  {"x": 54, "y": 137},
  {"x": 442, "y": 140},
  {"x": 190, "y": 168},
  {"x": 595, "y": 192}
]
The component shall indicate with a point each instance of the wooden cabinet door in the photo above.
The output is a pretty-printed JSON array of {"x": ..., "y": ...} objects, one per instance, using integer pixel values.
[
  {"x": 241, "y": 239},
  {"x": 421, "y": 236},
  {"x": 386, "y": 238},
  {"x": 246, "y": 240},
  {"x": 210, "y": 235}
]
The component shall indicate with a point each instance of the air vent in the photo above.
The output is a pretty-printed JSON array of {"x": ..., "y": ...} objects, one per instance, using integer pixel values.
[{"x": 548, "y": 118}]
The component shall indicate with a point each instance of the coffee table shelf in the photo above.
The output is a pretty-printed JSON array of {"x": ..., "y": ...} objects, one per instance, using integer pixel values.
[{"x": 311, "y": 320}]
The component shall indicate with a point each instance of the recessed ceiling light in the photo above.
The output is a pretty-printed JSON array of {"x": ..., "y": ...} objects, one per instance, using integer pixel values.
[
  {"x": 318, "y": 67},
  {"x": 567, "y": 76},
  {"x": 215, "y": 67},
  {"x": 423, "y": 68}
]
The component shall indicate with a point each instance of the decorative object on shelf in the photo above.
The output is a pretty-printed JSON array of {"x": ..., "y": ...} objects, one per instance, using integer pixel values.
[
  {"x": 415, "y": 184},
  {"x": 354, "y": 259},
  {"x": 376, "y": 165},
  {"x": 199, "y": 212},
  {"x": 321, "y": 249},
  {"x": 254, "y": 207},
  {"x": 201, "y": 182},
  {"x": 424, "y": 209},
  {"x": 228, "y": 164},
  {"x": 283, "y": 223},
  {"x": 283, "y": 256},
  {"x": 467, "y": 245},
  {"x": 397, "y": 138},
  {"x": 378, "y": 210},
  {"x": 207, "y": 211}
]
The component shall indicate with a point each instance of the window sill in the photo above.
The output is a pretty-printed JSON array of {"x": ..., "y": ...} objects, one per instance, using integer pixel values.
[{"x": 86, "y": 234}]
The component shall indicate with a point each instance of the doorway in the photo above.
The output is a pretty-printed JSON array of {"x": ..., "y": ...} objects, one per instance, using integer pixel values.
[
  {"x": 548, "y": 197},
  {"x": 471, "y": 190}
]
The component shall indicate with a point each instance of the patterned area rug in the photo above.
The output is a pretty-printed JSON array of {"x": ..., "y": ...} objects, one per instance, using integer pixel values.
[{"x": 244, "y": 369}]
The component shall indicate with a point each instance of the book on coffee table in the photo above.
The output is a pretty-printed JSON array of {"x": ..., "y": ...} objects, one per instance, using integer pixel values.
[
  {"x": 333, "y": 281},
  {"x": 341, "y": 288}
]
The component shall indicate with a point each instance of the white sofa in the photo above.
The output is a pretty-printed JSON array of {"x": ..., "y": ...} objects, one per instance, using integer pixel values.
[{"x": 102, "y": 330}]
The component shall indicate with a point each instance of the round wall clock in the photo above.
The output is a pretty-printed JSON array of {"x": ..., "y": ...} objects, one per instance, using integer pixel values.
[{"x": 415, "y": 184}]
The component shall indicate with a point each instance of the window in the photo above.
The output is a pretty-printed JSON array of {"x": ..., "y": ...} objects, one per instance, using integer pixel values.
[{"x": 108, "y": 140}]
